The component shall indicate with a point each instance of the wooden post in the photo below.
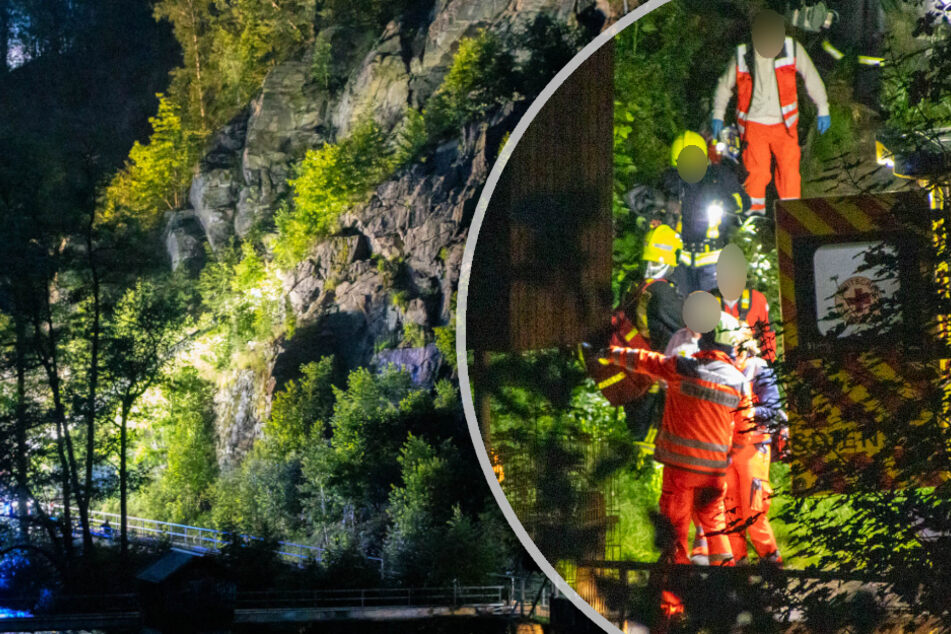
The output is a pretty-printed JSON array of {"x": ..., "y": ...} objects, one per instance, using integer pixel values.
[{"x": 482, "y": 396}]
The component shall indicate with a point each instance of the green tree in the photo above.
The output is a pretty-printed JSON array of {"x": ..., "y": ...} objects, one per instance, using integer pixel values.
[
  {"x": 191, "y": 21},
  {"x": 479, "y": 79},
  {"x": 300, "y": 411},
  {"x": 249, "y": 37},
  {"x": 146, "y": 332},
  {"x": 157, "y": 174}
]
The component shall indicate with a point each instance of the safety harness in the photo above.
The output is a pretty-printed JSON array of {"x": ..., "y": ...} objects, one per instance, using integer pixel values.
[{"x": 745, "y": 302}]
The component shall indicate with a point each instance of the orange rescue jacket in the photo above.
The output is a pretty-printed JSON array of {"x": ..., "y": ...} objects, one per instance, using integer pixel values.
[
  {"x": 785, "y": 65},
  {"x": 707, "y": 399}
]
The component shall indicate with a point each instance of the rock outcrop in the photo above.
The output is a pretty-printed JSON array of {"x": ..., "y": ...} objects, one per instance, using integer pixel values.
[{"x": 393, "y": 268}]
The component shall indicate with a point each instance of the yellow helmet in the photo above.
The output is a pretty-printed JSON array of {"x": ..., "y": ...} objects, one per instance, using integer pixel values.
[
  {"x": 661, "y": 245},
  {"x": 683, "y": 140}
]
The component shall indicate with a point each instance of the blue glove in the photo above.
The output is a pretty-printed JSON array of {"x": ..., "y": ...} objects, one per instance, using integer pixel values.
[
  {"x": 715, "y": 127},
  {"x": 823, "y": 123}
]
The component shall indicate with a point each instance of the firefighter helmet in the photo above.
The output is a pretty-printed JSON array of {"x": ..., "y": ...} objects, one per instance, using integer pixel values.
[
  {"x": 683, "y": 140},
  {"x": 661, "y": 245}
]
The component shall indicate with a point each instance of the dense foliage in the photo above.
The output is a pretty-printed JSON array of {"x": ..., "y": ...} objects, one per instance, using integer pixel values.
[{"x": 113, "y": 368}]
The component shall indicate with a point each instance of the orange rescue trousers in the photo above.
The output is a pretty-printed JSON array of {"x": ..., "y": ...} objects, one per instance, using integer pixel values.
[
  {"x": 763, "y": 142},
  {"x": 685, "y": 494},
  {"x": 748, "y": 500}
]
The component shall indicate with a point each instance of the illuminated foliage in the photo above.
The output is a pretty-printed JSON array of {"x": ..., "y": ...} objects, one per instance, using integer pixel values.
[{"x": 158, "y": 173}]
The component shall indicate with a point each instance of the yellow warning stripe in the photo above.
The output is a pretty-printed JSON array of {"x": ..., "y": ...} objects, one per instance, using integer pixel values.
[
  {"x": 617, "y": 378},
  {"x": 832, "y": 50},
  {"x": 857, "y": 386},
  {"x": 784, "y": 242},
  {"x": 854, "y": 216},
  {"x": 787, "y": 288},
  {"x": 808, "y": 218},
  {"x": 886, "y": 372}
]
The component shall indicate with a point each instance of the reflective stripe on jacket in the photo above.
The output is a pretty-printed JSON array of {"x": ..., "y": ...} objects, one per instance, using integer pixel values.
[
  {"x": 785, "y": 65},
  {"x": 707, "y": 397}
]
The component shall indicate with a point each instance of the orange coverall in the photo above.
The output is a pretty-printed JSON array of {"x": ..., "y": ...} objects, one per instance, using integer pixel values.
[
  {"x": 706, "y": 397},
  {"x": 748, "y": 490}
]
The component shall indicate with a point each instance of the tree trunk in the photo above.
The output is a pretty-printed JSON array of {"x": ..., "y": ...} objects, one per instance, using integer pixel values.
[
  {"x": 4, "y": 35},
  {"x": 21, "y": 425},
  {"x": 42, "y": 318},
  {"x": 123, "y": 484},
  {"x": 93, "y": 385},
  {"x": 67, "y": 518},
  {"x": 201, "y": 92},
  {"x": 71, "y": 472}
]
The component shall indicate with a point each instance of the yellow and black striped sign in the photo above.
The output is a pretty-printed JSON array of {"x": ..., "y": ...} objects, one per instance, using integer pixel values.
[{"x": 842, "y": 388}]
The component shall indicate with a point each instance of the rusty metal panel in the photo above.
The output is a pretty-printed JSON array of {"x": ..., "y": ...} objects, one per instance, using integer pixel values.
[{"x": 541, "y": 272}]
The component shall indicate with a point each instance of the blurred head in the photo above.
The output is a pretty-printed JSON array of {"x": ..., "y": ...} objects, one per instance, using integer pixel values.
[
  {"x": 688, "y": 154},
  {"x": 731, "y": 272},
  {"x": 769, "y": 30},
  {"x": 701, "y": 311}
]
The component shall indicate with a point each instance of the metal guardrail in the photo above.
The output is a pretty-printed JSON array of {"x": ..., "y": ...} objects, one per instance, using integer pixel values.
[
  {"x": 374, "y": 597},
  {"x": 194, "y": 538},
  {"x": 104, "y": 604}
]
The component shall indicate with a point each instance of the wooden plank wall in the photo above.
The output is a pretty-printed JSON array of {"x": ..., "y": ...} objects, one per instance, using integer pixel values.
[{"x": 541, "y": 272}]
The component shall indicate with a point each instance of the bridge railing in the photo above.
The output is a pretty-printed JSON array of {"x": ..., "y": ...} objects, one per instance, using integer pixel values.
[
  {"x": 374, "y": 597},
  {"x": 195, "y": 538}
]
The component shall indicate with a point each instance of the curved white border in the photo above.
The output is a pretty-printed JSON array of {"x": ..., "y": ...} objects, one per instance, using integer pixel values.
[{"x": 462, "y": 300}]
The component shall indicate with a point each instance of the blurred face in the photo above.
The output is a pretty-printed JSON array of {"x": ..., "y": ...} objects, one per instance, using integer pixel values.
[
  {"x": 731, "y": 272},
  {"x": 769, "y": 30},
  {"x": 691, "y": 164},
  {"x": 701, "y": 312}
]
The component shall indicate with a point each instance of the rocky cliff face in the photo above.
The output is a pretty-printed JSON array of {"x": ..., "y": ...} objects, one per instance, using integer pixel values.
[{"x": 408, "y": 239}]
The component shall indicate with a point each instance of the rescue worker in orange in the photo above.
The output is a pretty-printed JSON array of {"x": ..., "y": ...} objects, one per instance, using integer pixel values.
[
  {"x": 753, "y": 309},
  {"x": 748, "y": 490},
  {"x": 767, "y": 109},
  {"x": 706, "y": 397},
  {"x": 646, "y": 319}
]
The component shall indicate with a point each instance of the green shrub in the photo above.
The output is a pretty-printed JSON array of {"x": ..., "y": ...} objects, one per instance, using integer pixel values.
[
  {"x": 243, "y": 300},
  {"x": 328, "y": 182},
  {"x": 411, "y": 138},
  {"x": 447, "y": 395},
  {"x": 446, "y": 344},
  {"x": 400, "y": 299},
  {"x": 479, "y": 79},
  {"x": 414, "y": 335}
]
